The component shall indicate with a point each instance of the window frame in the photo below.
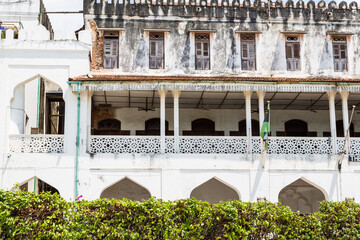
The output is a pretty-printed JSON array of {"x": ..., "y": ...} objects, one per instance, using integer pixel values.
[
  {"x": 111, "y": 36},
  {"x": 157, "y": 42},
  {"x": 247, "y": 42},
  {"x": 293, "y": 63},
  {"x": 201, "y": 58},
  {"x": 340, "y": 41}
]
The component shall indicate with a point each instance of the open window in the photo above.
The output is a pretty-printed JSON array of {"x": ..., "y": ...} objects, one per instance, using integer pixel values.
[{"x": 111, "y": 50}]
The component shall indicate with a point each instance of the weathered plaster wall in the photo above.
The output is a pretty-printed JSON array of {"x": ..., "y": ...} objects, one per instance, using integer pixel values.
[{"x": 313, "y": 24}]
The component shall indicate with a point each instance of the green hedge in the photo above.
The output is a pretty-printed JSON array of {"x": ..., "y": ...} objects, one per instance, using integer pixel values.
[{"x": 26, "y": 216}]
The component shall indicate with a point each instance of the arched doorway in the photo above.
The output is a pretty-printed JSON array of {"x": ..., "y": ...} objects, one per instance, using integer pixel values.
[
  {"x": 242, "y": 128},
  {"x": 152, "y": 128},
  {"x": 126, "y": 188},
  {"x": 214, "y": 191},
  {"x": 37, "y": 108},
  {"x": 301, "y": 196},
  {"x": 203, "y": 127},
  {"x": 296, "y": 128},
  {"x": 37, "y": 185}
]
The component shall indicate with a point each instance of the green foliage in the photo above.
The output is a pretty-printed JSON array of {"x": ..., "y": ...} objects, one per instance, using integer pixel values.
[{"x": 27, "y": 216}]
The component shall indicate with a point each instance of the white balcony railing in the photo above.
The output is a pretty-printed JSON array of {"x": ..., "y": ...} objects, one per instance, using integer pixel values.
[
  {"x": 187, "y": 144},
  {"x": 36, "y": 143},
  {"x": 354, "y": 146},
  {"x": 124, "y": 144},
  {"x": 299, "y": 145}
]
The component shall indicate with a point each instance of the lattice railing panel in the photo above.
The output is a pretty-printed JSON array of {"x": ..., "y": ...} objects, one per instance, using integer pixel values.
[
  {"x": 124, "y": 144},
  {"x": 36, "y": 143},
  {"x": 354, "y": 145},
  {"x": 213, "y": 145},
  {"x": 256, "y": 145},
  {"x": 299, "y": 145}
]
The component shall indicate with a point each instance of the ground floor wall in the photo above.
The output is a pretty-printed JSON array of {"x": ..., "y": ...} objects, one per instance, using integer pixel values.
[{"x": 176, "y": 176}]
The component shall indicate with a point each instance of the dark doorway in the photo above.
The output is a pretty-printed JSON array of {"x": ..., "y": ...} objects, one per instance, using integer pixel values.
[
  {"x": 296, "y": 128},
  {"x": 55, "y": 114}
]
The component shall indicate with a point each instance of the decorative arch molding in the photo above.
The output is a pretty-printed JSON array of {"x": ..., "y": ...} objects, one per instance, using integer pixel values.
[
  {"x": 33, "y": 78},
  {"x": 215, "y": 190},
  {"x": 302, "y": 195},
  {"x": 126, "y": 188}
]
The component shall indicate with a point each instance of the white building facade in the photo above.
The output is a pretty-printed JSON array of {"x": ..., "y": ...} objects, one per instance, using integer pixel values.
[{"x": 174, "y": 100}]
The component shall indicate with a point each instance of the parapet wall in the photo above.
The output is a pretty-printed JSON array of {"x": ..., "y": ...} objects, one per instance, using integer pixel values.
[{"x": 226, "y": 9}]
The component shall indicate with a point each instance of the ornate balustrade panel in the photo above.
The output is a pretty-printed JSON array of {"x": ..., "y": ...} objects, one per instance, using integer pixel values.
[
  {"x": 36, "y": 143},
  {"x": 256, "y": 145},
  {"x": 299, "y": 145},
  {"x": 124, "y": 144},
  {"x": 213, "y": 145},
  {"x": 354, "y": 145}
]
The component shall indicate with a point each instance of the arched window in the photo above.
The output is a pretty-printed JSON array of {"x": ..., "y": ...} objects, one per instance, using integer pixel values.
[
  {"x": 214, "y": 191},
  {"x": 296, "y": 128},
  {"x": 108, "y": 127},
  {"x": 301, "y": 196},
  {"x": 203, "y": 127},
  {"x": 152, "y": 128},
  {"x": 126, "y": 188},
  {"x": 242, "y": 128}
]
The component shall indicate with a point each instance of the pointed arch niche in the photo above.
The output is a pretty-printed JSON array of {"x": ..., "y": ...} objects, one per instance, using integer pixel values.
[
  {"x": 302, "y": 196},
  {"x": 37, "y": 107},
  {"x": 214, "y": 191},
  {"x": 36, "y": 185},
  {"x": 126, "y": 188}
]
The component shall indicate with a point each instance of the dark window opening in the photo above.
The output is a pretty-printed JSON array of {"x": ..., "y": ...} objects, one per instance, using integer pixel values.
[
  {"x": 203, "y": 127},
  {"x": 55, "y": 114},
  {"x": 242, "y": 128},
  {"x": 340, "y": 129},
  {"x": 296, "y": 128},
  {"x": 152, "y": 127}
]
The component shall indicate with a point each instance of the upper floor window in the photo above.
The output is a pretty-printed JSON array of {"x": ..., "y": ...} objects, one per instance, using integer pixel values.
[
  {"x": 202, "y": 48},
  {"x": 292, "y": 53},
  {"x": 111, "y": 50},
  {"x": 156, "y": 60},
  {"x": 340, "y": 54},
  {"x": 248, "y": 52}
]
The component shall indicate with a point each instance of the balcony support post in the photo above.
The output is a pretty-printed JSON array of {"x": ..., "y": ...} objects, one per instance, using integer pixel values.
[
  {"x": 162, "y": 94},
  {"x": 261, "y": 97},
  {"x": 176, "y": 95},
  {"x": 345, "y": 114},
  {"x": 247, "y": 95},
  {"x": 331, "y": 97}
]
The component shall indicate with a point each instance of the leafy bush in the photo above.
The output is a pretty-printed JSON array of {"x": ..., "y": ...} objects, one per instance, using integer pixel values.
[{"x": 27, "y": 216}]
